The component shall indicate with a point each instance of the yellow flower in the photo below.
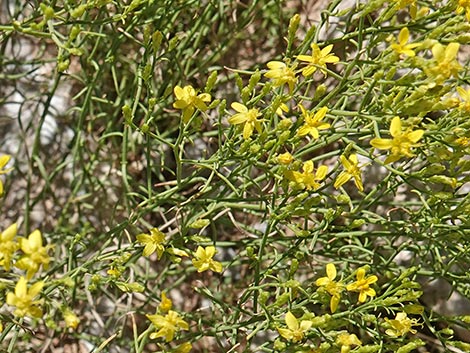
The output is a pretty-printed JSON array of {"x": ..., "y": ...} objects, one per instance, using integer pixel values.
[
  {"x": 464, "y": 5},
  {"x": 465, "y": 95},
  {"x": 35, "y": 254},
  {"x": 204, "y": 261},
  {"x": 401, "y": 143},
  {"x": 307, "y": 179},
  {"x": 352, "y": 170},
  {"x": 23, "y": 299},
  {"x": 332, "y": 287},
  {"x": 294, "y": 332},
  {"x": 281, "y": 74},
  {"x": 444, "y": 64},
  {"x": 246, "y": 116},
  {"x": 346, "y": 340},
  {"x": 71, "y": 320},
  {"x": 318, "y": 59},
  {"x": 401, "y": 325},
  {"x": 153, "y": 242},
  {"x": 362, "y": 285},
  {"x": 183, "y": 348},
  {"x": 166, "y": 303},
  {"x": 188, "y": 100},
  {"x": 313, "y": 122},
  {"x": 283, "y": 108},
  {"x": 285, "y": 158},
  {"x": 167, "y": 325},
  {"x": 401, "y": 47},
  {"x": 8, "y": 246},
  {"x": 3, "y": 162}
]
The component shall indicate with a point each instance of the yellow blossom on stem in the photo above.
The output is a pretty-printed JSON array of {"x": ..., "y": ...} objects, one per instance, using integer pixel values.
[
  {"x": 444, "y": 63},
  {"x": 346, "y": 340},
  {"x": 308, "y": 179},
  {"x": 401, "y": 143},
  {"x": 352, "y": 170},
  {"x": 281, "y": 74},
  {"x": 362, "y": 285},
  {"x": 204, "y": 261},
  {"x": 166, "y": 303},
  {"x": 167, "y": 325},
  {"x": 401, "y": 47},
  {"x": 153, "y": 242},
  {"x": 283, "y": 108},
  {"x": 318, "y": 59},
  {"x": 332, "y": 287},
  {"x": 248, "y": 117},
  {"x": 464, "y": 6},
  {"x": 70, "y": 318},
  {"x": 295, "y": 331},
  {"x": 285, "y": 158},
  {"x": 3, "y": 162},
  {"x": 35, "y": 254},
  {"x": 183, "y": 348},
  {"x": 24, "y": 299},
  {"x": 313, "y": 122},
  {"x": 8, "y": 246},
  {"x": 401, "y": 4},
  {"x": 465, "y": 103},
  {"x": 401, "y": 325},
  {"x": 188, "y": 101}
]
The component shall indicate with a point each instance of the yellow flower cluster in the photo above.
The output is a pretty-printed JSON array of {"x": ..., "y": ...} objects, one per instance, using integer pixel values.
[{"x": 334, "y": 288}]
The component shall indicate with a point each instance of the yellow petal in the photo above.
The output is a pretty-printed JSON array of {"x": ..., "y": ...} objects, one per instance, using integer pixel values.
[
  {"x": 415, "y": 136},
  {"x": 331, "y": 271},
  {"x": 342, "y": 179},
  {"x": 179, "y": 93},
  {"x": 4, "y": 160},
  {"x": 276, "y": 65},
  {"x": 291, "y": 321},
  {"x": 403, "y": 36},
  {"x": 381, "y": 144},
  {"x": 395, "y": 127},
  {"x": 321, "y": 172},
  {"x": 451, "y": 51},
  {"x": 239, "y": 107}
]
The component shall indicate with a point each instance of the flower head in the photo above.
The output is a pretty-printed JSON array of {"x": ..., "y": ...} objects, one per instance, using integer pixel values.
[
  {"x": 24, "y": 299},
  {"x": 346, "y": 340},
  {"x": 401, "y": 47},
  {"x": 295, "y": 331},
  {"x": 281, "y": 74},
  {"x": 35, "y": 254},
  {"x": 285, "y": 158},
  {"x": 352, "y": 170},
  {"x": 318, "y": 59},
  {"x": 166, "y": 303},
  {"x": 313, "y": 122},
  {"x": 3, "y": 162},
  {"x": 401, "y": 143},
  {"x": 8, "y": 246},
  {"x": 188, "y": 101},
  {"x": 332, "y": 287},
  {"x": 167, "y": 325},
  {"x": 308, "y": 179},
  {"x": 153, "y": 242},
  {"x": 246, "y": 116},
  {"x": 362, "y": 285},
  {"x": 401, "y": 325},
  {"x": 444, "y": 63},
  {"x": 70, "y": 318},
  {"x": 204, "y": 261},
  {"x": 464, "y": 5}
]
